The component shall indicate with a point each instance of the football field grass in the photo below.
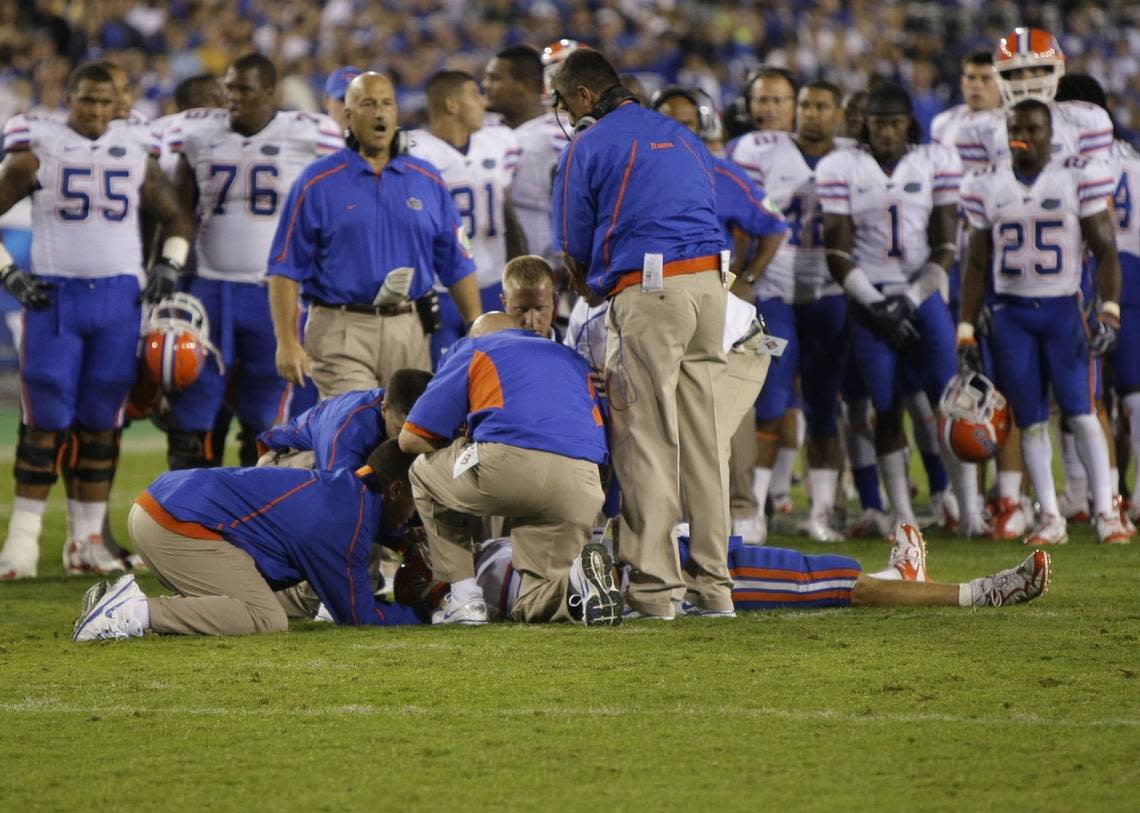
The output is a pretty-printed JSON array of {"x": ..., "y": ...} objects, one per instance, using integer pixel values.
[{"x": 1033, "y": 707}]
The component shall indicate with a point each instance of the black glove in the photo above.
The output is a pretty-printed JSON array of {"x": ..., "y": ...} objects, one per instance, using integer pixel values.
[
  {"x": 892, "y": 321},
  {"x": 162, "y": 282},
  {"x": 969, "y": 357},
  {"x": 1102, "y": 336},
  {"x": 26, "y": 289}
]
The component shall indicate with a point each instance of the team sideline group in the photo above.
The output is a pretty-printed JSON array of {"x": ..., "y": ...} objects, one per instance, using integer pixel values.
[{"x": 378, "y": 310}]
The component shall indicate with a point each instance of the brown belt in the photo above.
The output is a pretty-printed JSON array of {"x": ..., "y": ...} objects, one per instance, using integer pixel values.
[{"x": 375, "y": 310}]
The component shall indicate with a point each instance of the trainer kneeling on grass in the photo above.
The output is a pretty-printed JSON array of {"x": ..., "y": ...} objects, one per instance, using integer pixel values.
[{"x": 226, "y": 539}]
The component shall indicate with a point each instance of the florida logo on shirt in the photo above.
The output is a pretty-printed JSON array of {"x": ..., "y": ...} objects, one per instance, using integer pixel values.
[
  {"x": 415, "y": 204},
  {"x": 464, "y": 240},
  {"x": 488, "y": 163}
]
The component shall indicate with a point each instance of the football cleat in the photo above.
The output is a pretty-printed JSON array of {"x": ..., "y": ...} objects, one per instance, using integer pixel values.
[
  {"x": 818, "y": 530},
  {"x": 753, "y": 530},
  {"x": 89, "y": 555},
  {"x": 18, "y": 559},
  {"x": 1052, "y": 530},
  {"x": 1009, "y": 520},
  {"x": 973, "y": 417},
  {"x": 176, "y": 343},
  {"x": 1122, "y": 507},
  {"x": 1110, "y": 529},
  {"x": 874, "y": 524},
  {"x": 110, "y": 612},
  {"x": 471, "y": 613},
  {"x": 782, "y": 504},
  {"x": 1017, "y": 585},
  {"x": 1023, "y": 50},
  {"x": 1073, "y": 509},
  {"x": 593, "y": 598},
  {"x": 944, "y": 507},
  {"x": 908, "y": 556}
]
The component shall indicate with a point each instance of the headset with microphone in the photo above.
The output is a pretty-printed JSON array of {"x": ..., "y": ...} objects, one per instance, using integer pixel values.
[
  {"x": 708, "y": 122},
  {"x": 610, "y": 100}
]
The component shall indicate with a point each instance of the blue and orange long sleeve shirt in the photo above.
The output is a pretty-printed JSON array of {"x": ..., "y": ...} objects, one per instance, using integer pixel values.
[
  {"x": 517, "y": 388},
  {"x": 341, "y": 431}
]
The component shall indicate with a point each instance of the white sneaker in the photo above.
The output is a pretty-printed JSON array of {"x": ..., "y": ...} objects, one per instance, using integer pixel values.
[
  {"x": 450, "y": 611},
  {"x": 10, "y": 569},
  {"x": 111, "y": 615},
  {"x": 753, "y": 530},
  {"x": 89, "y": 555},
  {"x": 630, "y": 614},
  {"x": 1110, "y": 530},
  {"x": 323, "y": 615},
  {"x": 686, "y": 607},
  {"x": 1017, "y": 585},
  {"x": 1122, "y": 508},
  {"x": 592, "y": 596},
  {"x": 1053, "y": 530},
  {"x": 908, "y": 556},
  {"x": 818, "y": 530},
  {"x": 874, "y": 524},
  {"x": 1071, "y": 509},
  {"x": 944, "y": 507},
  {"x": 1009, "y": 519}
]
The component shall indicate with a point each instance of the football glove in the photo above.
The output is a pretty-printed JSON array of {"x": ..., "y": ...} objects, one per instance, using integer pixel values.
[
  {"x": 162, "y": 282},
  {"x": 892, "y": 321},
  {"x": 1103, "y": 334},
  {"x": 26, "y": 289},
  {"x": 969, "y": 357}
]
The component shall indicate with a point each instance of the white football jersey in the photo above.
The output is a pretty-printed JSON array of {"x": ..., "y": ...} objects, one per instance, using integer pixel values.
[
  {"x": 1126, "y": 162},
  {"x": 167, "y": 159},
  {"x": 541, "y": 141},
  {"x": 798, "y": 272},
  {"x": 891, "y": 213},
  {"x": 479, "y": 180},
  {"x": 243, "y": 181},
  {"x": 85, "y": 210},
  {"x": 1036, "y": 229},
  {"x": 1079, "y": 128}
]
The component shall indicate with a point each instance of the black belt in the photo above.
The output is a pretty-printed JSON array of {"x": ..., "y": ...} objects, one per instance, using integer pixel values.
[{"x": 374, "y": 310}]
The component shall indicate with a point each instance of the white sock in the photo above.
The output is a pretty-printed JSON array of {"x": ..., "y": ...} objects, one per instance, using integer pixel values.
[
  {"x": 761, "y": 480},
  {"x": 73, "y": 511},
  {"x": 860, "y": 438},
  {"x": 966, "y": 594},
  {"x": 824, "y": 483},
  {"x": 140, "y": 613},
  {"x": 88, "y": 519},
  {"x": 964, "y": 482},
  {"x": 801, "y": 428},
  {"x": 1114, "y": 479},
  {"x": 923, "y": 423},
  {"x": 781, "y": 484},
  {"x": 1076, "y": 477},
  {"x": 22, "y": 547},
  {"x": 1132, "y": 407},
  {"x": 466, "y": 590},
  {"x": 893, "y": 467},
  {"x": 1009, "y": 484},
  {"x": 1093, "y": 449},
  {"x": 1038, "y": 453}
]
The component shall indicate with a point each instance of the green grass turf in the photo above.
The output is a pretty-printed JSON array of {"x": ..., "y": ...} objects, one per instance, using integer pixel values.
[{"x": 1034, "y": 707}]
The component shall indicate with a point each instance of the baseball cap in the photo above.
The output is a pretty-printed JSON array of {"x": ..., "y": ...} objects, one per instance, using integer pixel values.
[{"x": 337, "y": 83}]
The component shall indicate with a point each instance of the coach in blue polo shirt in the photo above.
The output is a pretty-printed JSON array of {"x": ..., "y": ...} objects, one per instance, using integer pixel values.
[{"x": 362, "y": 236}]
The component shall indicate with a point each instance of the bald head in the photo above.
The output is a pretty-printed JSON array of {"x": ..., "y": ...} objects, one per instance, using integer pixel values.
[
  {"x": 370, "y": 107},
  {"x": 367, "y": 84},
  {"x": 492, "y": 322}
]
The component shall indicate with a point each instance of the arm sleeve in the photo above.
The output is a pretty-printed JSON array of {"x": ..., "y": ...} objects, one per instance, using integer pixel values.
[
  {"x": 947, "y": 175},
  {"x": 293, "y": 251},
  {"x": 574, "y": 212},
  {"x": 18, "y": 134},
  {"x": 1095, "y": 187},
  {"x": 451, "y": 249},
  {"x": 296, "y": 434},
  {"x": 442, "y": 409},
  {"x": 833, "y": 186}
]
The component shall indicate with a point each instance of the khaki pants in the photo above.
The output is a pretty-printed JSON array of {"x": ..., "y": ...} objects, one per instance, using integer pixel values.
[
  {"x": 359, "y": 351},
  {"x": 745, "y": 379},
  {"x": 220, "y": 590},
  {"x": 665, "y": 369},
  {"x": 551, "y": 501}
]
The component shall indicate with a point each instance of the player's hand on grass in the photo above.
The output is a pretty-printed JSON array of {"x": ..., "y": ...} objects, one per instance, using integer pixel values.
[
  {"x": 892, "y": 320},
  {"x": 26, "y": 289},
  {"x": 293, "y": 362}
]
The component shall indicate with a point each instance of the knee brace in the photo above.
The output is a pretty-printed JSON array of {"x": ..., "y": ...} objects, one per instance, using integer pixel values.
[
  {"x": 187, "y": 450},
  {"x": 38, "y": 465},
  {"x": 100, "y": 448}
]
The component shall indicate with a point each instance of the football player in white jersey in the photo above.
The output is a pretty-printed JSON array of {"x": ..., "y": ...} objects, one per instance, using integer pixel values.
[
  {"x": 1126, "y": 359},
  {"x": 236, "y": 168},
  {"x": 1028, "y": 220},
  {"x": 88, "y": 177},
  {"x": 201, "y": 90},
  {"x": 477, "y": 164},
  {"x": 1029, "y": 63},
  {"x": 513, "y": 82},
  {"x": 890, "y": 215},
  {"x": 979, "y": 94}
]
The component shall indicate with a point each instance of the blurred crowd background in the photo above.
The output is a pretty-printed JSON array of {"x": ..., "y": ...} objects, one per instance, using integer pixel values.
[{"x": 709, "y": 44}]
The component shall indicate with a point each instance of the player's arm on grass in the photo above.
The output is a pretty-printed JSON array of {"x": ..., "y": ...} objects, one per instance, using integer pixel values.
[{"x": 159, "y": 201}]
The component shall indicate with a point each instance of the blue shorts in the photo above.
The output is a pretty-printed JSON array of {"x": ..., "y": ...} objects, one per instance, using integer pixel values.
[
  {"x": 779, "y": 393},
  {"x": 242, "y": 330},
  {"x": 1038, "y": 342},
  {"x": 78, "y": 356},
  {"x": 823, "y": 336},
  {"x": 451, "y": 322},
  {"x": 927, "y": 366}
]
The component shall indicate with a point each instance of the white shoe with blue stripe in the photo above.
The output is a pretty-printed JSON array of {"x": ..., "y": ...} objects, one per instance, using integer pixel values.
[{"x": 109, "y": 612}]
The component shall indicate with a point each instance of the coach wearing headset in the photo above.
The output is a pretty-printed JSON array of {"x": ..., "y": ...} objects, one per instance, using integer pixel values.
[{"x": 635, "y": 217}]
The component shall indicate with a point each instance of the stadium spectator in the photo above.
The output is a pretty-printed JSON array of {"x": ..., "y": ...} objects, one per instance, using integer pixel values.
[
  {"x": 532, "y": 440},
  {"x": 196, "y": 532},
  {"x": 665, "y": 358},
  {"x": 361, "y": 257}
]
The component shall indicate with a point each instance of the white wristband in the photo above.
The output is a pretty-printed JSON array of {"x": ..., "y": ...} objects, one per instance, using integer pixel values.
[
  {"x": 176, "y": 249},
  {"x": 5, "y": 258},
  {"x": 965, "y": 332},
  {"x": 1111, "y": 308},
  {"x": 928, "y": 280},
  {"x": 859, "y": 288}
]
